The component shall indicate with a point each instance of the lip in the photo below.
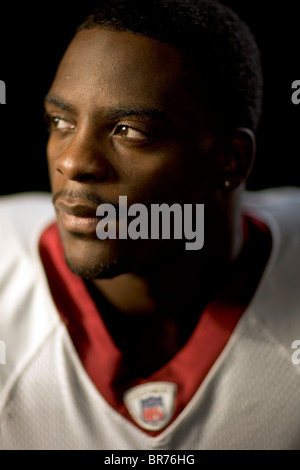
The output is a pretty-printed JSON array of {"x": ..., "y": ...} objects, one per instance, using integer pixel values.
[{"x": 77, "y": 216}]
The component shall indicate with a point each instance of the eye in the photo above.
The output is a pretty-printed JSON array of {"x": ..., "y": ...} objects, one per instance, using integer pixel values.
[
  {"x": 58, "y": 123},
  {"x": 130, "y": 133}
]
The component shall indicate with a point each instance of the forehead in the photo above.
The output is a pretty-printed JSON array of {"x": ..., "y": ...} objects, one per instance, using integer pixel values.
[{"x": 119, "y": 66}]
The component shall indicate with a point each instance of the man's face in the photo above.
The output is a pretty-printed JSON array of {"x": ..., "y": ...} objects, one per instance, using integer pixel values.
[{"x": 123, "y": 122}]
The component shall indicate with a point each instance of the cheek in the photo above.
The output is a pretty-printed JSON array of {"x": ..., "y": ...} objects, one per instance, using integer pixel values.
[
  {"x": 160, "y": 177},
  {"x": 173, "y": 174},
  {"x": 51, "y": 152},
  {"x": 50, "y": 163}
]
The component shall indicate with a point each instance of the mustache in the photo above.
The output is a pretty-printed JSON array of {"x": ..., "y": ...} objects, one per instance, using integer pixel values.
[{"x": 84, "y": 197}]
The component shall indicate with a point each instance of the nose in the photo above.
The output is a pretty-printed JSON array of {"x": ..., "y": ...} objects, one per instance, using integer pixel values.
[{"x": 82, "y": 160}]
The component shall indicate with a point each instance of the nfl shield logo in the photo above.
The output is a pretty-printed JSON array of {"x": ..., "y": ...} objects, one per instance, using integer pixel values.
[
  {"x": 151, "y": 404},
  {"x": 152, "y": 409}
]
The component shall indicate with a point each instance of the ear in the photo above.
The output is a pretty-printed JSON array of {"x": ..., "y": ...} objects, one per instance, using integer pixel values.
[{"x": 236, "y": 158}]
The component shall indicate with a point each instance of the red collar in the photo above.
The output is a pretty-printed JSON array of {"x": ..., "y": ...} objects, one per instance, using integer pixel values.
[{"x": 97, "y": 351}]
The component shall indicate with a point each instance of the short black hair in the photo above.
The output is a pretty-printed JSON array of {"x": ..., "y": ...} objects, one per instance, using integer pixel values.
[{"x": 218, "y": 45}]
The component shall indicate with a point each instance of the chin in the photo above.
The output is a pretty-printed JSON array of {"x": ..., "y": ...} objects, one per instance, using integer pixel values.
[
  {"x": 97, "y": 270},
  {"x": 96, "y": 259}
]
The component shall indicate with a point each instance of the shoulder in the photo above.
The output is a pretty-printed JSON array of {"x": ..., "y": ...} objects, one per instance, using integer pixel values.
[
  {"x": 282, "y": 204},
  {"x": 22, "y": 218},
  {"x": 23, "y": 213},
  {"x": 276, "y": 305},
  {"x": 24, "y": 201},
  {"x": 27, "y": 313},
  {"x": 279, "y": 208}
]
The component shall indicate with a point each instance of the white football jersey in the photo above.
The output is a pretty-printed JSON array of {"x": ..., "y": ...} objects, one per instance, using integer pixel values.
[{"x": 250, "y": 399}]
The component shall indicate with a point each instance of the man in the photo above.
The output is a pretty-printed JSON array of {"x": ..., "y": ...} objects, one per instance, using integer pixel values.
[{"x": 136, "y": 342}]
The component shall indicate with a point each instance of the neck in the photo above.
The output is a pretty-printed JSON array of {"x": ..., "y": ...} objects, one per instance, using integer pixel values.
[
  {"x": 194, "y": 275},
  {"x": 163, "y": 307}
]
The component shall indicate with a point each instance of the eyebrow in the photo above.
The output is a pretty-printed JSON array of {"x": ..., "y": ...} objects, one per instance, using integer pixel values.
[
  {"x": 111, "y": 113},
  {"x": 59, "y": 103}
]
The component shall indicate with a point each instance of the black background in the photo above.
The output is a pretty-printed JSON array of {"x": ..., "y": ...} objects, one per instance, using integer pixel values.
[{"x": 33, "y": 39}]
